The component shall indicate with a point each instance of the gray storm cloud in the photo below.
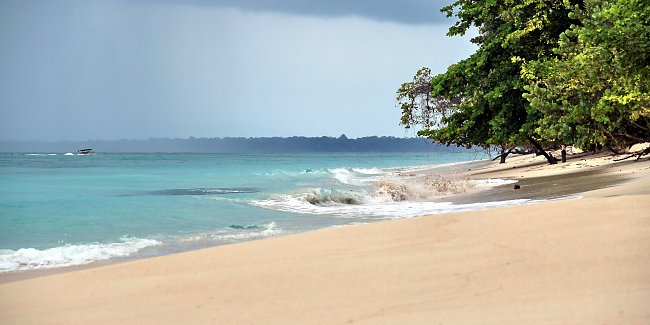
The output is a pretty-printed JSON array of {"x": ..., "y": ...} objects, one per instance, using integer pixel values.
[
  {"x": 404, "y": 11},
  {"x": 134, "y": 69}
]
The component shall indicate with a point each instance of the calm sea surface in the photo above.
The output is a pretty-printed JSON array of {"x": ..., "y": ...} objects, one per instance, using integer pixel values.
[{"x": 59, "y": 210}]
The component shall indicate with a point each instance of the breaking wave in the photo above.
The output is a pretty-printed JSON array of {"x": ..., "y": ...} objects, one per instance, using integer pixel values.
[
  {"x": 391, "y": 197},
  {"x": 430, "y": 187},
  {"x": 69, "y": 255},
  {"x": 331, "y": 196},
  {"x": 374, "y": 209},
  {"x": 356, "y": 176},
  {"x": 342, "y": 175}
]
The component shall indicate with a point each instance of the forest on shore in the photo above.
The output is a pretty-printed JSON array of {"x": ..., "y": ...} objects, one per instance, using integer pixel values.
[{"x": 546, "y": 74}]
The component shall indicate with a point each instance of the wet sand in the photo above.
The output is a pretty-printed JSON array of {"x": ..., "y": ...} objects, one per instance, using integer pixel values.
[{"x": 547, "y": 187}]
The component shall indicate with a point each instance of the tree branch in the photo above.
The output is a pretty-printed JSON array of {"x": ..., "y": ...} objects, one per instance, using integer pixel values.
[{"x": 639, "y": 154}]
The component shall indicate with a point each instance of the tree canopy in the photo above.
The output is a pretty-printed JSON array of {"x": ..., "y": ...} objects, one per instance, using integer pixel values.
[
  {"x": 561, "y": 72},
  {"x": 595, "y": 91}
]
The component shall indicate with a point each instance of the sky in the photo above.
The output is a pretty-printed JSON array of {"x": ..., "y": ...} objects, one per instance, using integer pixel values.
[{"x": 135, "y": 69}]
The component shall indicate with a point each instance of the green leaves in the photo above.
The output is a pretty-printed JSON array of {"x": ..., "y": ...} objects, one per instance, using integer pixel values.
[
  {"x": 604, "y": 87},
  {"x": 493, "y": 111},
  {"x": 561, "y": 71}
]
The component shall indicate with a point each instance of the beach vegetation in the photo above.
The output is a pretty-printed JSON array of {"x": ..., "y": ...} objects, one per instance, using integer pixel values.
[
  {"x": 546, "y": 73},
  {"x": 594, "y": 92}
]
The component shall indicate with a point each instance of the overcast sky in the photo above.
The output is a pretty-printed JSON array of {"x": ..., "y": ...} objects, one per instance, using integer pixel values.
[{"x": 135, "y": 69}]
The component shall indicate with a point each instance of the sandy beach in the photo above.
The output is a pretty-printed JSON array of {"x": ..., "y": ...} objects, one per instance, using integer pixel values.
[{"x": 584, "y": 259}]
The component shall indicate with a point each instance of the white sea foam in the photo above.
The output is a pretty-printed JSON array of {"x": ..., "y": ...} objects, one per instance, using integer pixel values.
[
  {"x": 68, "y": 255},
  {"x": 419, "y": 189},
  {"x": 315, "y": 171},
  {"x": 347, "y": 176},
  {"x": 357, "y": 176},
  {"x": 68, "y": 154},
  {"x": 392, "y": 197},
  {"x": 343, "y": 175},
  {"x": 369, "y": 171},
  {"x": 377, "y": 210},
  {"x": 268, "y": 230},
  {"x": 416, "y": 187},
  {"x": 492, "y": 182},
  {"x": 237, "y": 233}
]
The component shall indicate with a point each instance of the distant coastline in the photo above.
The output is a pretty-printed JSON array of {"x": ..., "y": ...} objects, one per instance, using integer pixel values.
[{"x": 235, "y": 145}]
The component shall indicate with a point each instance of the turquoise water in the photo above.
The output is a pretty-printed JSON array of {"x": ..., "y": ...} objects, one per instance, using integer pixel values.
[{"x": 58, "y": 210}]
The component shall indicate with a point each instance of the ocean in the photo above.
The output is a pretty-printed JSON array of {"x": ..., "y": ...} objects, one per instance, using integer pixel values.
[{"x": 60, "y": 210}]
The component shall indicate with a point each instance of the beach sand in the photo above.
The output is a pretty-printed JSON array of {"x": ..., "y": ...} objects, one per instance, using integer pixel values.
[{"x": 582, "y": 260}]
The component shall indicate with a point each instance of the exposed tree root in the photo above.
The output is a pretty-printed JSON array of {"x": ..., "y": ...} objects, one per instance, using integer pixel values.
[{"x": 638, "y": 154}]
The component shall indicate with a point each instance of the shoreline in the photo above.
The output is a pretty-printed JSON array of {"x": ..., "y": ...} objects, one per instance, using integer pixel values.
[
  {"x": 614, "y": 204},
  {"x": 537, "y": 189},
  {"x": 471, "y": 196},
  {"x": 175, "y": 248}
]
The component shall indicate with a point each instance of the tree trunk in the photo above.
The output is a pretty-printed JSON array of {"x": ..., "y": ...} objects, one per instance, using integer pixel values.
[
  {"x": 504, "y": 154},
  {"x": 563, "y": 153},
  {"x": 551, "y": 160}
]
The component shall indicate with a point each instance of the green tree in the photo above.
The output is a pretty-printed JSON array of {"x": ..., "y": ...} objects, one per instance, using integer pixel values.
[
  {"x": 485, "y": 90},
  {"x": 594, "y": 92}
]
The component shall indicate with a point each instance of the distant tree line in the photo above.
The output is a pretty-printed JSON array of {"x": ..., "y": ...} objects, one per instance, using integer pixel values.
[
  {"x": 235, "y": 145},
  {"x": 547, "y": 73}
]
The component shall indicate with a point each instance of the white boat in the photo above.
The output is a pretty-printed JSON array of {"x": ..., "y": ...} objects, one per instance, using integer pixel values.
[{"x": 84, "y": 152}]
